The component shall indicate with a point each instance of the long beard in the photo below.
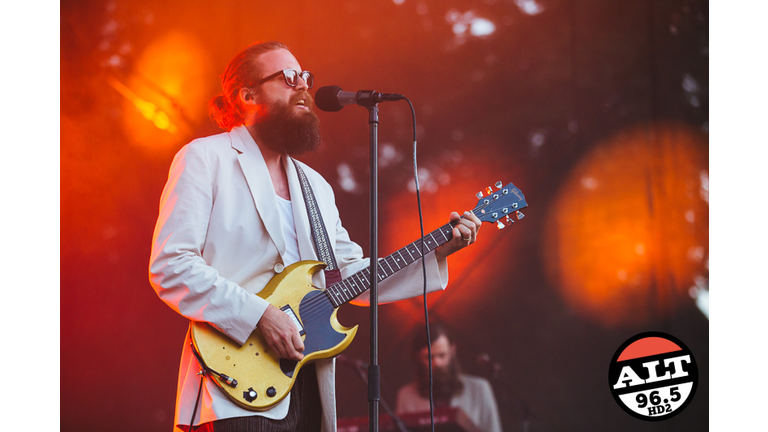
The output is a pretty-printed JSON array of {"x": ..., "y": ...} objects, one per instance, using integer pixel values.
[
  {"x": 446, "y": 383},
  {"x": 286, "y": 131}
]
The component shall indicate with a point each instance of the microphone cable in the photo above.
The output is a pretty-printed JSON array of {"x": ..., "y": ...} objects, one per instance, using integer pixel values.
[{"x": 423, "y": 268}]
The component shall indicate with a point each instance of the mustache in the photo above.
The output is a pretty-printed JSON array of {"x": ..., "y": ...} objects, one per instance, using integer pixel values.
[{"x": 303, "y": 95}]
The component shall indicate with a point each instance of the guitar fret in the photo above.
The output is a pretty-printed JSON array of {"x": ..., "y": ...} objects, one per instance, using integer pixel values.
[
  {"x": 353, "y": 286},
  {"x": 346, "y": 293},
  {"x": 390, "y": 267},
  {"x": 397, "y": 259},
  {"x": 431, "y": 235},
  {"x": 364, "y": 276},
  {"x": 409, "y": 259},
  {"x": 409, "y": 254},
  {"x": 359, "y": 282},
  {"x": 353, "y": 291},
  {"x": 336, "y": 293}
]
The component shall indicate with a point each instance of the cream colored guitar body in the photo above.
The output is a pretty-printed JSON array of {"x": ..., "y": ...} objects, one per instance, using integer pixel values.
[{"x": 263, "y": 379}]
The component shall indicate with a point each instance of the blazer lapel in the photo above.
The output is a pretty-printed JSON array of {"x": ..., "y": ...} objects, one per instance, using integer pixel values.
[{"x": 260, "y": 184}]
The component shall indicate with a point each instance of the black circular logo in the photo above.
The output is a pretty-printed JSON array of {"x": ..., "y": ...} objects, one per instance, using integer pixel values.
[{"x": 653, "y": 376}]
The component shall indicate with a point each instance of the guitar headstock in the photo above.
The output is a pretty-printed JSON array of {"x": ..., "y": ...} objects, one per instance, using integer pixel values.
[{"x": 503, "y": 203}]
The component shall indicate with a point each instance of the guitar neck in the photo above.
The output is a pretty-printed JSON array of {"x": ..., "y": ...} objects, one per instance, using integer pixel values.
[
  {"x": 503, "y": 203},
  {"x": 358, "y": 283}
]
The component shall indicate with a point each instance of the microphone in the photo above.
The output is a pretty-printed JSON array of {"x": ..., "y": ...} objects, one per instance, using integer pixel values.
[{"x": 333, "y": 98}]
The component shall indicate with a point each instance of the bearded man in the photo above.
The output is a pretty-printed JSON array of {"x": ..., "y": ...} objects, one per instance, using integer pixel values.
[
  {"x": 232, "y": 216},
  {"x": 450, "y": 387}
]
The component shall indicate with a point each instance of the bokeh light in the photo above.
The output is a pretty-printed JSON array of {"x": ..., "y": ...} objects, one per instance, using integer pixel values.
[
  {"x": 447, "y": 187},
  {"x": 166, "y": 93},
  {"x": 627, "y": 234}
]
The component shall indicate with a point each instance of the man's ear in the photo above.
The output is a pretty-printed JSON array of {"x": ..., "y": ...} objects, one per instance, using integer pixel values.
[{"x": 247, "y": 95}]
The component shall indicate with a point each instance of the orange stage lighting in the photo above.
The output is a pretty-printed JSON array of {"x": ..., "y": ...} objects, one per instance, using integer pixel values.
[
  {"x": 167, "y": 92},
  {"x": 629, "y": 230},
  {"x": 473, "y": 273}
]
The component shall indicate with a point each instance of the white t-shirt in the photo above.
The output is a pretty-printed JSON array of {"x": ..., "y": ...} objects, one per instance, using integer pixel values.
[{"x": 289, "y": 231}]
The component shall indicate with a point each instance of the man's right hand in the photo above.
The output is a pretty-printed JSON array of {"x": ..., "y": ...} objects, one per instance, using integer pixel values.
[{"x": 281, "y": 334}]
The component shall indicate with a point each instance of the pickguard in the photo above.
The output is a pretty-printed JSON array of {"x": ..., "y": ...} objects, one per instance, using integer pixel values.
[{"x": 320, "y": 335}]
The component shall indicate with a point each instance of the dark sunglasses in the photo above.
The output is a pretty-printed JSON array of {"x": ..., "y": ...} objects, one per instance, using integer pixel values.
[{"x": 292, "y": 77}]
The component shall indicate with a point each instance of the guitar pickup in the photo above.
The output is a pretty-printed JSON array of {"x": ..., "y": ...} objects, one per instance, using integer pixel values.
[{"x": 289, "y": 311}]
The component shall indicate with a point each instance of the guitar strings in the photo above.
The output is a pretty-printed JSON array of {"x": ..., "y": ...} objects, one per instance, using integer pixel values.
[
  {"x": 320, "y": 304},
  {"x": 311, "y": 307}
]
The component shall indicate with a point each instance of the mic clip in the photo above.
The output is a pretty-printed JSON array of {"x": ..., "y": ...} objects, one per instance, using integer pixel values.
[{"x": 369, "y": 98}]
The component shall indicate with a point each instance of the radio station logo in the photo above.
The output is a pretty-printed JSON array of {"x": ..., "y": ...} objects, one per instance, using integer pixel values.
[{"x": 653, "y": 376}]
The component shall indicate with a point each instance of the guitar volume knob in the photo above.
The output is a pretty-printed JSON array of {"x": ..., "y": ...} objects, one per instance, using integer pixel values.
[
  {"x": 271, "y": 392},
  {"x": 250, "y": 395}
]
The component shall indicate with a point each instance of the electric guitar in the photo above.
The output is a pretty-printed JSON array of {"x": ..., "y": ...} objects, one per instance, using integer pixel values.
[{"x": 254, "y": 377}]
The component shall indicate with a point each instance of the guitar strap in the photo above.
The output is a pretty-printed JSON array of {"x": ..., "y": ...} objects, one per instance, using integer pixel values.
[{"x": 319, "y": 234}]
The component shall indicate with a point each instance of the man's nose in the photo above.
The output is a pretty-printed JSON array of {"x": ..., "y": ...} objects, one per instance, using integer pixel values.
[{"x": 301, "y": 84}]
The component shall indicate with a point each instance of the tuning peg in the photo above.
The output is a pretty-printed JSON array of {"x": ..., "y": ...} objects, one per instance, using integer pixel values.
[
  {"x": 509, "y": 220},
  {"x": 499, "y": 224},
  {"x": 479, "y": 195},
  {"x": 519, "y": 215},
  {"x": 499, "y": 184},
  {"x": 488, "y": 190}
]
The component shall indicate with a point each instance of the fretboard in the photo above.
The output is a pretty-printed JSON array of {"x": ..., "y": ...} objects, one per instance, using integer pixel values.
[{"x": 359, "y": 282}]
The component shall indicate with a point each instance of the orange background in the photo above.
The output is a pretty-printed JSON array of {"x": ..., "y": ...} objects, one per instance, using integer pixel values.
[{"x": 597, "y": 110}]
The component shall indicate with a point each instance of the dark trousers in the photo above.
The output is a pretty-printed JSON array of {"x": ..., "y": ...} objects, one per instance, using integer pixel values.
[{"x": 304, "y": 413}]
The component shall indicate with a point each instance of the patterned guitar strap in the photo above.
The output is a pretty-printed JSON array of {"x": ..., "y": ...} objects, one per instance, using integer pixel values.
[{"x": 319, "y": 235}]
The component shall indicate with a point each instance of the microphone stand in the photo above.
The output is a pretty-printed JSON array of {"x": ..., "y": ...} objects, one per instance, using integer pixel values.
[
  {"x": 500, "y": 382},
  {"x": 358, "y": 367},
  {"x": 374, "y": 384}
]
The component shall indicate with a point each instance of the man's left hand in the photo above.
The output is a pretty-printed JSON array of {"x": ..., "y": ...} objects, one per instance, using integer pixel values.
[{"x": 464, "y": 234}]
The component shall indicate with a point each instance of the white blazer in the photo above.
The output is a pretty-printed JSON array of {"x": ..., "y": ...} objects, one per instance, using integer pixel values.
[{"x": 218, "y": 241}]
